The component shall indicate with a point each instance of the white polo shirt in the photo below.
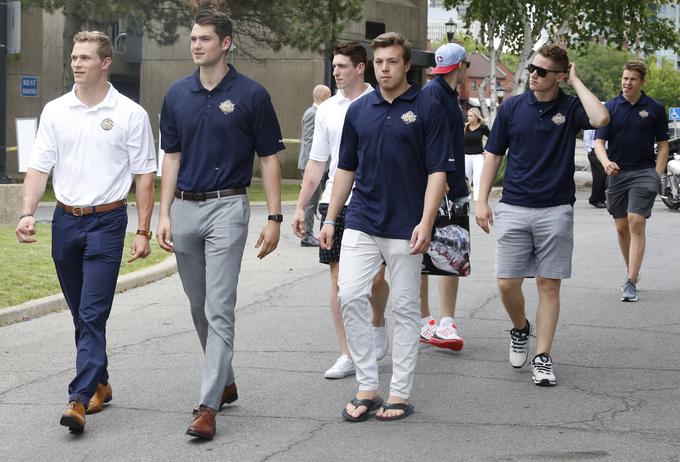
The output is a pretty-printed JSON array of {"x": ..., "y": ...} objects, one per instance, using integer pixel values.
[
  {"x": 94, "y": 151},
  {"x": 330, "y": 118}
]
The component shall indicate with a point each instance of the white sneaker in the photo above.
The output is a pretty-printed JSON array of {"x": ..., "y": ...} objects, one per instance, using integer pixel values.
[
  {"x": 342, "y": 367},
  {"x": 519, "y": 347},
  {"x": 381, "y": 342},
  {"x": 447, "y": 337},
  {"x": 427, "y": 331},
  {"x": 542, "y": 368}
]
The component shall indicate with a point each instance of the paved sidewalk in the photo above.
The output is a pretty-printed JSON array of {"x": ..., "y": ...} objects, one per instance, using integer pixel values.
[{"x": 618, "y": 368}]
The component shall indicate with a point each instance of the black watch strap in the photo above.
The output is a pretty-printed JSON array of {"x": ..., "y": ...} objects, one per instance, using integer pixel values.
[{"x": 277, "y": 217}]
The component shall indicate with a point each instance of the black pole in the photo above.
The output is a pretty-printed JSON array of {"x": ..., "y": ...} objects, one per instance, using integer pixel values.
[{"x": 3, "y": 92}]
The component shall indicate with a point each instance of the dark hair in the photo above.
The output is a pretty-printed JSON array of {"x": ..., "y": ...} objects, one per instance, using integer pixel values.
[
  {"x": 389, "y": 39},
  {"x": 556, "y": 54},
  {"x": 636, "y": 66},
  {"x": 355, "y": 51},
  {"x": 220, "y": 21}
]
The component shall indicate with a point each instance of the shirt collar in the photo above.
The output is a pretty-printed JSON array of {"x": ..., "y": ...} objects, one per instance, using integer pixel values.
[
  {"x": 408, "y": 95},
  {"x": 445, "y": 85},
  {"x": 197, "y": 86},
  {"x": 533, "y": 101},
  {"x": 644, "y": 99},
  {"x": 367, "y": 89},
  {"x": 109, "y": 100}
]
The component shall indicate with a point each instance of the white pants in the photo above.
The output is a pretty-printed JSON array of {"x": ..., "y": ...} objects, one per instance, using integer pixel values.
[
  {"x": 361, "y": 257},
  {"x": 473, "y": 170}
]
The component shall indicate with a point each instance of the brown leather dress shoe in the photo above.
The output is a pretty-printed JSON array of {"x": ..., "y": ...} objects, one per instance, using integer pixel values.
[
  {"x": 229, "y": 395},
  {"x": 203, "y": 425},
  {"x": 74, "y": 417},
  {"x": 103, "y": 395}
]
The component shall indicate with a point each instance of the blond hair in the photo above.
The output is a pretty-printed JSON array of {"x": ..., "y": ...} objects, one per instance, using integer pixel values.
[
  {"x": 104, "y": 46},
  {"x": 477, "y": 114}
]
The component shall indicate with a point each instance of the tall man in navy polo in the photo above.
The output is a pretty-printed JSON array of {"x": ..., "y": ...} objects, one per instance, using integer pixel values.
[
  {"x": 94, "y": 140},
  {"x": 212, "y": 124},
  {"x": 637, "y": 121},
  {"x": 451, "y": 70},
  {"x": 396, "y": 147},
  {"x": 534, "y": 221}
]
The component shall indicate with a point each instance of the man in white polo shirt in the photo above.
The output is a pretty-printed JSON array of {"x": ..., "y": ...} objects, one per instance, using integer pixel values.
[
  {"x": 349, "y": 64},
  {"x": 96, "y": 140}
]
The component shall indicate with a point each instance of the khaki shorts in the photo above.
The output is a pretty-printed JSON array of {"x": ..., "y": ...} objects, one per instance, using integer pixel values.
[{"x": 534, "y": 241}]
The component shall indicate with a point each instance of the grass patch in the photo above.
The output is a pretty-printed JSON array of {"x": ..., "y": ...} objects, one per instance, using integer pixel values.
[
  {"x": 289, "y": 192},
  {"x": 29, "y": 271}
]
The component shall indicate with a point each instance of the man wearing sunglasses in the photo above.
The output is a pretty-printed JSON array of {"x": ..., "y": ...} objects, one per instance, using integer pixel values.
[{"x": 535, "y": 218}]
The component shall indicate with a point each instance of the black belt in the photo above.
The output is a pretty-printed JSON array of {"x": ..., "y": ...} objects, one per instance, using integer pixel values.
[{"x": 202, "y": 196}]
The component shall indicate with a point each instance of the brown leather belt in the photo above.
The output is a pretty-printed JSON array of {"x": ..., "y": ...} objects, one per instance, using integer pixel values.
[
  {"x": 78, "y": 211},
  {"x": 194, "y": 196}
]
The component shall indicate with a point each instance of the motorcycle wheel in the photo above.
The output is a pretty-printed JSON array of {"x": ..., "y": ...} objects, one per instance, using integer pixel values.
[{"x": 671, "y": 203}]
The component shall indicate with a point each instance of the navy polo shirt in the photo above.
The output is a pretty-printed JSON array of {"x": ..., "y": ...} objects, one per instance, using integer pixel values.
[
  {"x": 540, "y": 138},
  {"x": 218, "y": 131},
  {"x": 393, "y": 147},
  {"x": 448, "y": 98},
  {"x": 632, "y": 130}
]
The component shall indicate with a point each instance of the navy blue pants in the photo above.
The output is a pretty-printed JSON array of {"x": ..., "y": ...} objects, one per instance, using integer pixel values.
[{"x": 87, "y": 251}]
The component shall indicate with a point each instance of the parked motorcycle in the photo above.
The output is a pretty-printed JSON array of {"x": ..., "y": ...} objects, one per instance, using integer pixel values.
[{"x": 670, "y": 181}]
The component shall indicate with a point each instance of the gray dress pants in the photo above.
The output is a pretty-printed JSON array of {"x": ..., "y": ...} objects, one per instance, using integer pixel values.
[{"x": 209, "y": 238}]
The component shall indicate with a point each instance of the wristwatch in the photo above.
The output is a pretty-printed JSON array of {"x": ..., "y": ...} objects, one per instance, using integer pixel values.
[
  {"x": 145, "y": 233},
  {"x": 277, "y": 217}
]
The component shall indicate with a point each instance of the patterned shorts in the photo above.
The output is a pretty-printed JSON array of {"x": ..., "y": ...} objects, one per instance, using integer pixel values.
[{"x": 332, "y": 255}]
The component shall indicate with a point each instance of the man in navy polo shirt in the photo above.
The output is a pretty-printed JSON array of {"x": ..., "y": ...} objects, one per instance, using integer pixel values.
[
  {"x": 212, "y": 124},
  {"x": 637, "y": 121},
  {"x": 396, "y": 146},
  {"x": 451, "y": 70},
  {"x": 534, "y": 221}
]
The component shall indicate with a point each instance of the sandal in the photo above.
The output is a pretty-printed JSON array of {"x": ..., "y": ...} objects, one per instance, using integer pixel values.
[
  {"x": 371, "y": 406},
  {"x": 406, "y": 407}
]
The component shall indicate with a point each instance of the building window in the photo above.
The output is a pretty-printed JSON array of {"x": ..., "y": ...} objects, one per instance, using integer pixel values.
[{"x": 473, "y": 85}]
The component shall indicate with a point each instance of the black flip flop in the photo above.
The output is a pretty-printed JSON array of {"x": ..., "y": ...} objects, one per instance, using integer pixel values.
[
  {"x": 406, "y": 407},
  {"x": 371, "y": 405}
]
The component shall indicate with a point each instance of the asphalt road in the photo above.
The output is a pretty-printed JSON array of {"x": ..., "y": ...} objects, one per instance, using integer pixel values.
[{"x": 617, "y": 365}]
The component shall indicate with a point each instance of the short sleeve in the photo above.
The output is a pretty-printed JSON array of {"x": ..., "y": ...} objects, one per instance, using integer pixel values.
[
  {"x": 171, "y": 140},
  {"x": 580, "y": 117},
  {"x": 438, "y": 155},
  {"x": 321, "y": 148},
  {"x": 485, "y": 130},
  {"x": 44, "y": 153},
  {"x": 140, "y": 144},
  {"x": 661, "y": 132},
  {"x": 349, "y": 145},
  {"x": 603, "y": 132},
  {"x": 498, "y": 140},
  {"x": 266, "y": 129}
]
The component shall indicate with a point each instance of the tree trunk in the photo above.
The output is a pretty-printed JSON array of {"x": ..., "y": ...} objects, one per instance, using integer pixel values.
[
  {"x": 527, "y": 55},
  {"x": 481, "y": 93},
  {"x": 72, "y": 24}
]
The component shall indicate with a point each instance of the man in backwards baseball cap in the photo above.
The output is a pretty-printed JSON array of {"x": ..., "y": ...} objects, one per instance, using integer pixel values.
[
  {"x": 449, "y": 57},
  {"x": 450, "y": 72}
]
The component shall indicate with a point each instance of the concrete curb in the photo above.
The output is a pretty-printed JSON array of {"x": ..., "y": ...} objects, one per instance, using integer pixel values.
[{"x": 43, "y": 306}]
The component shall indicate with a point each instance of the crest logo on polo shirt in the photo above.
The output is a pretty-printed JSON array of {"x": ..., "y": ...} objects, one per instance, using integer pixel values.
[
  {"x": 643, "y": 113},
  {"x": 409, "y": 117},
  {"x": 559, "y": 119},
  {"x": 227, "y": 106},
  {"x": 107, "y": 124}
]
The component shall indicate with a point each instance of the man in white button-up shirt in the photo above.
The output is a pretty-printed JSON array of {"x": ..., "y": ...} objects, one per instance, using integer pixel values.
[
  {"x": 95, "y": 140},
  {"x": 349, "y": 65}
]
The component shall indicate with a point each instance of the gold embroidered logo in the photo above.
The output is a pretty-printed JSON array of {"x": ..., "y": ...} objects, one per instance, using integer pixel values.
[
  {"x": 559, "y": 119},
  {"x": 644, "y": 114},
  {"x": 409, "y": 117},
  {"x": 227, "y": 107},
  {"x": 107, "y": 124}
]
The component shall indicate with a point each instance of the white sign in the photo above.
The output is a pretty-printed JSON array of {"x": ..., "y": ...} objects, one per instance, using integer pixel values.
[
  {"x": 13, "y": 27},
  {"x": 26, "y": 129}
]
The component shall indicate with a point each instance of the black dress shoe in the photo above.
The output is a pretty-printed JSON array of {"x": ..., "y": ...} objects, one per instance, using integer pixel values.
[
  {"x": 598, "y": 205},
  {"x": 309, "y": 242}
]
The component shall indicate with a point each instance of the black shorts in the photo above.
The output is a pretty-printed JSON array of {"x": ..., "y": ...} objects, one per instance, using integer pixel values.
[{"x": 333, "y": 255}]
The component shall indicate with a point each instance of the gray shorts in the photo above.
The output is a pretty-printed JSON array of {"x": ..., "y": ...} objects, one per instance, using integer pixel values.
[
  {"x": 534, "y": 241},
  {"x": 632, "y": 191}
]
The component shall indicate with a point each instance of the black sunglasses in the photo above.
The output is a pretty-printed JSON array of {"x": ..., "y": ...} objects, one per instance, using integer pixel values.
[{"x": 542, "y": 72}]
